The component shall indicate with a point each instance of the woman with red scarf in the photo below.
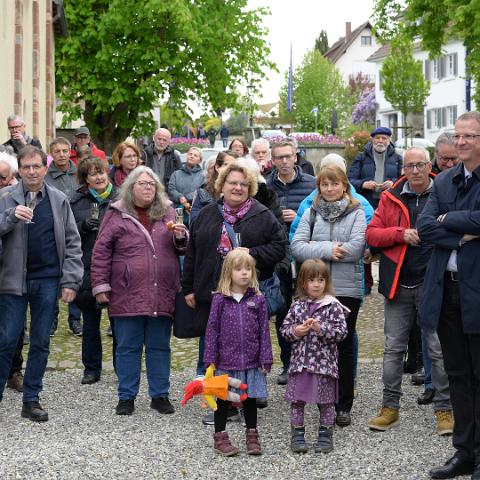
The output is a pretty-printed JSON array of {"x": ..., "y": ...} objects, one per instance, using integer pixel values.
[{"x": 125, "y": 158}]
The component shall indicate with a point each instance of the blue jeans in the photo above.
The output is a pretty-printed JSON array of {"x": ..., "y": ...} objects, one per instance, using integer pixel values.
[
  {"x": 427, "y": 363},
  {"x": 201, "y": 367},
  {"x": 132, "y": 333},
  {"x": 42, "y": 297},
  {"x": 92, "y": 342}
]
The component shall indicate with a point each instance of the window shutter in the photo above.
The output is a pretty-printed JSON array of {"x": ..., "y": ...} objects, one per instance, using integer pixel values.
[
  {"x": 429, "y": 118},
  {"x": 441, "y": 67},
  {"x": 444, "y": 117},
  {"x": 427, "y": 70},
  {"x": 455, "y": 67}
]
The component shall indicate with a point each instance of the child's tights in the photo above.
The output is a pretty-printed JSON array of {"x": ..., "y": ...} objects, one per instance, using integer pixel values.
[
  {"x": 327, "y": 413},
  {"x": 249, "y": 410}
]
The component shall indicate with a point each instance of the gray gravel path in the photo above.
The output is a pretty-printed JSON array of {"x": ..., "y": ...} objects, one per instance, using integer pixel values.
[{"x": 84, "y": 439}]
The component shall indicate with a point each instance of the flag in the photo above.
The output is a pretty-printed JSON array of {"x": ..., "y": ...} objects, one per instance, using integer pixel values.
[{"x": 290, "y": 84}]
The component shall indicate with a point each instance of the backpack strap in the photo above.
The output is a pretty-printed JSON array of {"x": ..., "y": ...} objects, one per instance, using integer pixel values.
[{"x": 311, "y": 221}]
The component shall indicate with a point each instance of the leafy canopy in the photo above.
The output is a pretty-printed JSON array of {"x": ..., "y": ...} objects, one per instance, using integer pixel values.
[{"x": 122, "y": 56}]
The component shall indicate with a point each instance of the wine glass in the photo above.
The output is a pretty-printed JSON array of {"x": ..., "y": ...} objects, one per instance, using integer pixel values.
[
  {"x": 238, "y": 239},
  {"x": 179, "y": 215},
  {"x": 31, "y": 202},
  {"x": 95, "y": 213}
]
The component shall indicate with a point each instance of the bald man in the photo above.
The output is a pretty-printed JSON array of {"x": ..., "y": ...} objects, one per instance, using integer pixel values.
[{"x": 161, "y": 157}]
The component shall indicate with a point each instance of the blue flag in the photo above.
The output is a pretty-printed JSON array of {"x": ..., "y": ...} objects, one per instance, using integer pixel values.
[{"x": 290, "y": 84}]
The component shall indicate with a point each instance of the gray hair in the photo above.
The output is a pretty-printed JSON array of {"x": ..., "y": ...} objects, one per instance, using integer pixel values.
[
  {"x": 252, "y": 165},
  {"x": 10, "y": 160},
  {"x": 473, "y": 115},
  {"x": 59, "y": 141},
  {"x": 259, "y": 142},
  {"x": 418, "y": 149},
  {"x": 159, "y": 205},
  {"x": 332, "y": 159},
  {"x": 12, "y": 118},
  {"x": 444, "y": 139}
]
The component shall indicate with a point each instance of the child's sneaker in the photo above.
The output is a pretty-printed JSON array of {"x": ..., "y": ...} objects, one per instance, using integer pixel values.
[
  {"x": 298, "y": 444},
  {"x": 325, "y": 440},
  {"x": 253, "y": 443},
  {"x": 386, "y": 419},
  {"x": 222, "y": 445}
]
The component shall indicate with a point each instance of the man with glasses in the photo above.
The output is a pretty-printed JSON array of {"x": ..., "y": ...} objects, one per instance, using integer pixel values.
[
  {"x": 83, "y": 139},
  {"x": 451, "y": 303},
  {"x": 403, "y": 262},
  {"x": 445, "y": 153},
  {"x": 291, "y": 186},
  {"x": 18, "y": 136},
  {"x": 42, "y": 259}
]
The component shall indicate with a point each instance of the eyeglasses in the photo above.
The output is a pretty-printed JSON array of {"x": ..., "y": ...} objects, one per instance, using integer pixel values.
[
  {"x": 15, "y": 127},
  {"x": 27, "y": 168},
  {"x": 447, "y": 159},
  {"x": 237, "y": 184},
  {"x": 419, "y": 165},
  {"x": 145, "y": 184},
  {"x": 130, "y": 157},
  {"x": 283, "y": 158},
  {"x": 468, "y": 137}
]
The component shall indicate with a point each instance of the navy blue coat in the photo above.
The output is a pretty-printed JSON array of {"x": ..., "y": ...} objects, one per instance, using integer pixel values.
[
  {"x": 462, "y": 209},
  {"x": 363, "y": 169}
]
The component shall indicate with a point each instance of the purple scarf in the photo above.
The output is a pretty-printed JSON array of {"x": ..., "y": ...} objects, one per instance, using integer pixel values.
[{"x": 232, "y": 216}]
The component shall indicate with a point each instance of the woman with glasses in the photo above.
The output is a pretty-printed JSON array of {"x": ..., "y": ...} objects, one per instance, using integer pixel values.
[
  {"x": 125, "y": 158},
  {"x": 135, "y": 271}
]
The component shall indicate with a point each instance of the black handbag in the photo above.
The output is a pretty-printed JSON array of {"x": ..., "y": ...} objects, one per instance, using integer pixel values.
[
  {"x": 270, "y": 288},
  {"x": 188, "y": 322}
]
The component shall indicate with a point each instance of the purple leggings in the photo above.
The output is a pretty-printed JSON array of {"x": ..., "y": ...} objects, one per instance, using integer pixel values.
[{"x": 327, "y": 413}]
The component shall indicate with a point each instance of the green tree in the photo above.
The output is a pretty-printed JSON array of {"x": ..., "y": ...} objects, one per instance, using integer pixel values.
[
  {"x": 403, "y": 83},
  {"x": 435, "y": 22},
  {"x": 122, "y": 56},
  {"x": 316, "y": 83},
  {"x": 321, "y": 42}
]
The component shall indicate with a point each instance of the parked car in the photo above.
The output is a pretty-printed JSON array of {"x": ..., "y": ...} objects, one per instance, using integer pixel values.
[{"x": 412, "y": 142}]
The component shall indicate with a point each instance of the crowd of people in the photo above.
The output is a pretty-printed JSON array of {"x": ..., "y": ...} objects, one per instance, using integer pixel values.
[{"x": 133, "y": 236}]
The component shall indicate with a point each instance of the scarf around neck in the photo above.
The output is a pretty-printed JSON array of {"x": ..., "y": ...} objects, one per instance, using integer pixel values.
[
  {"x": 330, "y": 211},
  {"x": 101, "y": 197}
]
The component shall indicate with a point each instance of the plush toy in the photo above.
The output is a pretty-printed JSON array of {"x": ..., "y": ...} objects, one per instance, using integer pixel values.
[{"x": 211, "y": 387}]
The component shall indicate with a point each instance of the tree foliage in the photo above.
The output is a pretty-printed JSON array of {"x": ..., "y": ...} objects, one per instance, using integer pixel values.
[
  {"x": 122, "y": 56},
  {"x": 435, "y": 22},
  {"x": 321, "y": 42},
  {"x": 316, "y": 83},
  {"x": 404, "y": 85}
]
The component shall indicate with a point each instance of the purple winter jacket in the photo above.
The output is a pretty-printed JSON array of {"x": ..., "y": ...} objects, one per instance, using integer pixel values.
[
  {"x": 140, "y": 271},
  {"x": 238, "y": 334},
  {"x": 316, "y": 352}
]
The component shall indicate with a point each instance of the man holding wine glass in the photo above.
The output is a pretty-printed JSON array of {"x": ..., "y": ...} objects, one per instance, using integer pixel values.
[{"x": 42, "y": 259}]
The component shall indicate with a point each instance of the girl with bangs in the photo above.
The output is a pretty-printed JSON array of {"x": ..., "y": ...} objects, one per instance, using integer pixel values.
[
  {"x": 314, "y": 324},
  {"x": 237, "y": 343}
]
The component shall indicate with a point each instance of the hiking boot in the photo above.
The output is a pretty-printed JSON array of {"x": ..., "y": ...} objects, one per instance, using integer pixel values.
[
  {"x": 125, "y": 407},
  {"x": 387, "y": 418},
  {"x": 282, "y": 379},
  {"x": 325, "y": 440},
  {"x": 15, "y": 382},
  {"x": 444, "y": 422},
  {"x": 253, "y": 443},
  {"x": 343, "y": 418},
  {"x": 162, "y": 405},
  {"x": 298, "y": 443},
  {"x": 76, "y": 328},
  {"x": 222, "y": 445},
  {"x": 418, "y": 378},
  {"x": 34, "y": 411},
  {"x": 426, "y": 397}
]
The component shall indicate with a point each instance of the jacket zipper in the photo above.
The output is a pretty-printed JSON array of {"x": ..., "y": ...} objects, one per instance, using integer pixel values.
[{"x": 241, "y": 334}]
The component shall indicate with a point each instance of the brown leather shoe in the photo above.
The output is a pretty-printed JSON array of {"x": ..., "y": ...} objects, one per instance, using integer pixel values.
[{"x": 16, "y": 382}]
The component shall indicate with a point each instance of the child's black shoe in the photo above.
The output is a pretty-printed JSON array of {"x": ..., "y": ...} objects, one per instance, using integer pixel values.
[
  {"x": 298, "y": 443},
  {"x": 325, "y": 440}
]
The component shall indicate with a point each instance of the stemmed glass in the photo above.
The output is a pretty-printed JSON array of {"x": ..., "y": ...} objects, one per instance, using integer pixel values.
[
  {"x": 31, "y": 202},
  {"x": 95, "y": 213},
  {"x": 238, "y": 239},
  {"x": 179, "y": 215}
]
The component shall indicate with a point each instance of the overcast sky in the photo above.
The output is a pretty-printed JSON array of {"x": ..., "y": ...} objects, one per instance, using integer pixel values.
[{"x": 299, "y": 22}]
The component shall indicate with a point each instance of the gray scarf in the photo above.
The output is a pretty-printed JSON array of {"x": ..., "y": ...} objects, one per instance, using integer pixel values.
[{"x": 330, "y": 211}]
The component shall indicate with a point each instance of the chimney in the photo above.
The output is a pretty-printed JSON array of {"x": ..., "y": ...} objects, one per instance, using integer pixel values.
[{"x": 348, "y": 31}]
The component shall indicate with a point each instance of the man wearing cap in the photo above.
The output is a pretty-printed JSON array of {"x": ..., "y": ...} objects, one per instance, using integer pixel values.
[
  {"x": 18, "y": 135},
  {"x": 82, "y": 137}
]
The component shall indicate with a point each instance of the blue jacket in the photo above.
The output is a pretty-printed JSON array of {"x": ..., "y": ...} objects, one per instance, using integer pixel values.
[
  {"x": 307, "y": 203},
  {"x": 462, "y": 208},
  {"x": 363, "y": 169},
  {"x": 291, "y": 195}
]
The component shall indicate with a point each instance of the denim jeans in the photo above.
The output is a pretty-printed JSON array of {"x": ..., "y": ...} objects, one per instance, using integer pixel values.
[
  {"x": 42, "y": 297},
  {"x": 132, "y": 333},
  {"x": 400, "y": 314},
  {"x": 427, "y": 364},
  {"x": 201, "y": 367},
  {"x": 92, "y": 342}
]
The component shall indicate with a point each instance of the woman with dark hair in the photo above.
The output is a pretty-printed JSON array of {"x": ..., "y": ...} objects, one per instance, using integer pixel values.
[
  {"x": 239, "y": 146},
  {"x": 335, "y": 233},
  {"x": 135, "y": 270},
  {"x": 207, "y": 194},
  {"x": 89, "y": 205},
  {"x": 125, "y": 158}
]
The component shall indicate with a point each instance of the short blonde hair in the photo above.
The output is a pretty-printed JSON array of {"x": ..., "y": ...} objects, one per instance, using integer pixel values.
[
  {"x": 236, "y": 258},
  {"x": 334, "y": 173},
  {"x": 250, "y": 178}
]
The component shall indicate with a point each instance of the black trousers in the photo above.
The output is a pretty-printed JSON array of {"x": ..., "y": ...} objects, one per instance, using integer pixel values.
[
  {"x": 249, "y": 410},
  {"x": 17, "y": 361},
  {"x": 461, "y": 356},
  {"x": 286, "y": 286},
  {"x": 346, "y": 357}
]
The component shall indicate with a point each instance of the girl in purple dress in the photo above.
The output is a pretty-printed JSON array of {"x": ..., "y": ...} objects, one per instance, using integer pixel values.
[
  {"x": 237, "y": 343},
  {"x": 314, "y": 324}
]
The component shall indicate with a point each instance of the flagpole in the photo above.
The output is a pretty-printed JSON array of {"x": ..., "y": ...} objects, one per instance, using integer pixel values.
[{"x": 290, "y": 84}]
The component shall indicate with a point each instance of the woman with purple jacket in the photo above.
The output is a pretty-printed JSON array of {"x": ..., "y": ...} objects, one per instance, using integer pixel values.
[{"x": 135, "y": 271}]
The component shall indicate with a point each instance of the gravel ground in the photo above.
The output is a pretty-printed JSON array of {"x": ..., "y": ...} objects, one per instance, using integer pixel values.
[{"x": 84, "y": 439}]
